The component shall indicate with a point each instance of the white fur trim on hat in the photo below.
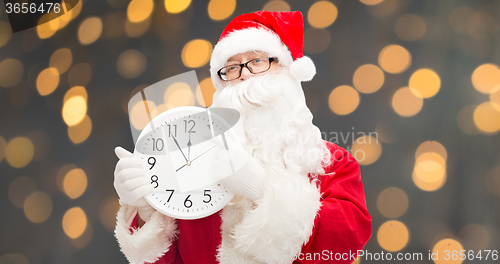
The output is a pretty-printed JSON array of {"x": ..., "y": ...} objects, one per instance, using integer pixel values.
[{"x": 241, "y": 41}]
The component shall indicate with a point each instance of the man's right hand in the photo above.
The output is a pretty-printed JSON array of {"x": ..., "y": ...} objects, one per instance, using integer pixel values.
[{"x": 130, "y": 183}]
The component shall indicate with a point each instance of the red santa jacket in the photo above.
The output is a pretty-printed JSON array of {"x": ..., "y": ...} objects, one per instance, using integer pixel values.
[{"x": 341, "y": 226}]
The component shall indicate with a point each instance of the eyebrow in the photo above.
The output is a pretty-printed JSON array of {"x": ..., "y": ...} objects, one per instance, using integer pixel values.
[{"x": 255, "y": 55}]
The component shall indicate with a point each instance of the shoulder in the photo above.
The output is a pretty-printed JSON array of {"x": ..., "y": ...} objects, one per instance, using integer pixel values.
[{"x": 339, "y": 157}]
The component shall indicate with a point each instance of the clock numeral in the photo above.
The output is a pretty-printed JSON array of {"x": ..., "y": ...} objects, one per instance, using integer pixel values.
[
  {"x": 170, "y": 130},
  {"x": 172, "y": 192},
  {"x": 206, "y": 194},
  {"x": 158, "y": 143},
  {"x": 152, "y": 162},
  {"x": 186, "y": 126},
  {"x": 154, "y": 179},
  {"x": 188, "y": 203}
]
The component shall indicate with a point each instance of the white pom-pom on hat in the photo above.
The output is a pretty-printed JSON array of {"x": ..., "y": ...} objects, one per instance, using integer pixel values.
[{"x": 303, "y": 69}]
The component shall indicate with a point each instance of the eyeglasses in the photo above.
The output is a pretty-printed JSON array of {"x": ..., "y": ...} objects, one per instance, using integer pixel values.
[{"x": 257, "y": 65}]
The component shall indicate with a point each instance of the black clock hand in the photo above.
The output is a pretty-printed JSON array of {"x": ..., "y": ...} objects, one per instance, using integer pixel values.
[
  {"x": 181, "y": 167},
  {"x": 189, "y": 147},
  {"x": 176, "y": 143},
  {"x": 204, "y": 153}
]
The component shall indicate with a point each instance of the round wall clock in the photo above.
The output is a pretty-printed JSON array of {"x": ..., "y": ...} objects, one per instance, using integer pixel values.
[{"x": 178, "y": 149}]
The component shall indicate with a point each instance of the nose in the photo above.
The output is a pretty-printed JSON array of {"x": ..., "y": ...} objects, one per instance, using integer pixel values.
[{"x": 245, "y": 74}]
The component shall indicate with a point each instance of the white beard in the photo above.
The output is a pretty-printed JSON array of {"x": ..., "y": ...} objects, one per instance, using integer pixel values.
[{"x": 276, "y": 125}]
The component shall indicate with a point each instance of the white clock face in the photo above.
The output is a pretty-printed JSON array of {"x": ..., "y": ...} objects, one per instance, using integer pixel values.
[{"x": 177, "y": 149}]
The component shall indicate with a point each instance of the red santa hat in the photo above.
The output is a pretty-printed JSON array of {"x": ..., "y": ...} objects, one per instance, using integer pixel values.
[{"x": 279, "y": 34}]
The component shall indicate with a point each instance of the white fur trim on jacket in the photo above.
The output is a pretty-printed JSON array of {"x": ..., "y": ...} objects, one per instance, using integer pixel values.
[
  {"x": 251, "y": 39},
  {"x": 273, "y": 229},
  {"x": 147, "y": 243}
]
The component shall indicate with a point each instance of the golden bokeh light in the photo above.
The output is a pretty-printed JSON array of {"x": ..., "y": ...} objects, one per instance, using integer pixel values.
[
  {"x": 450, "y": 245},
  {"x": 84, "y": 239},
  {"x": 430, "y": 167},
  {"x": 131, "y": 63},
  {"x": 343, "y": 100},
  {"x": 74, "y": 222},
  {"x": 487, "y": 117},
  {"x": 426, "y": 82},
  {"x": 371, "y": 2},
  {"x": 492, "y": 181},
  {"x": 79, "y": 74},
  {"x": 429, "y": 173},
  {"x": 366, "y": 149},
  {"x": 61, "y": 59},
  {"x": 205, "y": 92},
  {"x": 178, "y": 94},
  {"x": 392, "y": 202},
  {"x": 80, "y": 132},
  {"x": 138, "y": 29},
  {"x": 368, "y": 78},
  {"x": 176, "y": 6},
  {"x": 316, "y": 40},
  {"x": 11, "y": 72},
  {"x": 61, "y": 173},
  {"x": 486, "y": 78},
  {"x": 48, "y": 29},
  {"x": 393, "y": 235},
  {"x": 276, "y": 6},
  {"x": 107, "y": 213},
  {"x": 139, "y": 116},
  {"x": 75, "y": 91},
  {"x": 405, "y": 103},
  {"x": 19, "y": 152},
  {"x": 74, "y": 110},
  {"x": 495, "y": 97},
  {"x": 3, "y": 146},
  {"x": 196, "y": 53},
  {"x": 410, "y": 27},
  {"x": 20, "y": 189},
  {"x": 465, "y": 120},
  {"x": 394, "y": 59},
  {"x": 322, "y": 14},
  {"x": 429, "y": 186},
  {"x": 47, "y": 81},
  {"x": 221, "y": 9},
  {"x": 75, "y": 183},
  {"x": 90, "y": 30},
  {"x": 139, "y": 10},
  {"x": 475, "y": 237},
  {"x": 431, "y": 146},
  {"x": 38, "y": 207},
  {"x": 5, "y": 33},
  {"x": 75, "y": 11}
]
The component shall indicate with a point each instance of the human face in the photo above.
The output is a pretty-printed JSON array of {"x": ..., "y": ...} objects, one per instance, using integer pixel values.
[{"x": 248, "y": 56}]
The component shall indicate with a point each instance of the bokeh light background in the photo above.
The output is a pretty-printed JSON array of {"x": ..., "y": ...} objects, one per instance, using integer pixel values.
[{"x": 410, "y": 87}]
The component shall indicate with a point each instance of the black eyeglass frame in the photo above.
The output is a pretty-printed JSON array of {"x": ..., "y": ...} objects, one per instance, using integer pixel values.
[{"x": 244, "y": 65}]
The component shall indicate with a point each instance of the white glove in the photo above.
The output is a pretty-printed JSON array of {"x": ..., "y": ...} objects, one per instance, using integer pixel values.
[
  {"x": 248, "y": 179},
  {"x": 130, "y": 183}
]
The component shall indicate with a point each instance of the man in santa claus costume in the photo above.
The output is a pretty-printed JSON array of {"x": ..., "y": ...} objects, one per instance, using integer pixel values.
[{"x": 298, "y": 199}]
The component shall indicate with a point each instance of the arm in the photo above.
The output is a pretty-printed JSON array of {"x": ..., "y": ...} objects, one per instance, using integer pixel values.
[
  {"x": 343, "y": 224},
  {"x": 154, "y": 238}
]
